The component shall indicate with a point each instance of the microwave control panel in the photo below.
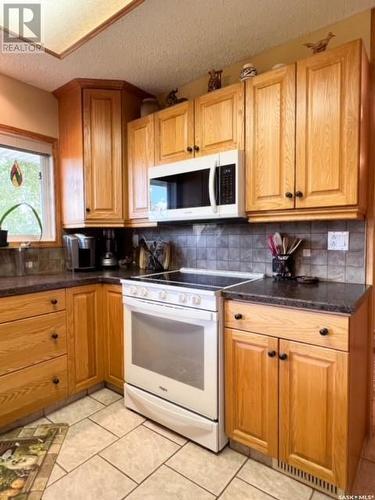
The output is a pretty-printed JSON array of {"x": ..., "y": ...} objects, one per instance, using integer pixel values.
[{"x": 227, "y": 185}]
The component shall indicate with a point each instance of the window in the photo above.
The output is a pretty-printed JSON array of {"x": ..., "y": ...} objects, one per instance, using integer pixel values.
[{"x": 27, "y": 176}]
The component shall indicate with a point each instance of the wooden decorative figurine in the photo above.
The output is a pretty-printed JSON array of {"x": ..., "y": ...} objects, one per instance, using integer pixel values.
[
  {"x": 214, "y": 81},
  {"x": 320, "y": 46}
]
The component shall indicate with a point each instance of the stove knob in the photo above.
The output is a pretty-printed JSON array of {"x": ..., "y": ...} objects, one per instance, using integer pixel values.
[
  {"x": 162, "y": 295},
  {"x": 196, "y": 300},
  {"x": 182, "y": 298},
  {"x": 133, "y": 290},
  {"x": 144, "y": 292}
]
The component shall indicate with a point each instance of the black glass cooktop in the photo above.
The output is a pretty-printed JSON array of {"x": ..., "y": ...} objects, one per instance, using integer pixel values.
[{"x": 178, "y": 278}]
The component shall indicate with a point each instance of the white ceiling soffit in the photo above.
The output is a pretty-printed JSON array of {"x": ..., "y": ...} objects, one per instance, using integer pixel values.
[{"x": 165, "y": 43}]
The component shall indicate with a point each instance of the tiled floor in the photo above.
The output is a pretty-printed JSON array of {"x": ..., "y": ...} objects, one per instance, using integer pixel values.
[{"x": 111, "y": 453}]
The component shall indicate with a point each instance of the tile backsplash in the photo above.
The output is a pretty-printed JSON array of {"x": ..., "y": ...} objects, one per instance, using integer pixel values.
[
  {"x": 243, "y": 247},
  {"x": 31, "y": 261}
]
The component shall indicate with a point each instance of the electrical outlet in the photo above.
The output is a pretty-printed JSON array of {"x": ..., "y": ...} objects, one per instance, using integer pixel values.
[
  {"x": 338, "y": 240},
  {"x": 29, "y": 264},
  {"x": 135, "y": 240},
  {"x": 306, "y": 252}
]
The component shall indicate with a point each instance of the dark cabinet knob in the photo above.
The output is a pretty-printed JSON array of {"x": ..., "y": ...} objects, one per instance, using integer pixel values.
[
  {"x": 299, "y": 194},
  {"x": 196, "y": 148},
  {"x": 56, "y": 380},
  {"x": 238, "y": 316},
  {"x": 323, "y": 331},
  {"x": 54, "y": 335},
  {"x": 189, "y": 149},
  {"x": 283, "y": 356},
  {"x": 271, "y": 354},
  {"x": 288, "y": 194},
  {"x": 88, "y": 209},
  {"x": 53, "y": 302}
]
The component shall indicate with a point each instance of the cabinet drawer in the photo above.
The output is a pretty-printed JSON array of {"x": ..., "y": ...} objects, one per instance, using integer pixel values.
[
  {"x": 328, "y": 330},
  {"x": 32, "y": 304},
  {"x": 31, "y": 389},
  {"x": 29, "y": 341}
]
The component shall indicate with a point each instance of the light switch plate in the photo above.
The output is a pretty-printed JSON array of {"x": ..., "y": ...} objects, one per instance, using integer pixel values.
[
  {"x": 306, "y": 252},
  {"x": 338, "y": 240}
]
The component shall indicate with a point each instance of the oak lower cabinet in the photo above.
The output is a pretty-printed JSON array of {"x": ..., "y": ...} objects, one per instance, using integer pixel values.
[
  {"x": 304, "y": 405},
  {"x": 113, "y": 331},
  {"x": 85, "y": 342}
]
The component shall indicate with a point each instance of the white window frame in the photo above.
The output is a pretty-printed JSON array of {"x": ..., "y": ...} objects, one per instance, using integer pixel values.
[{"x": 48, "y": 196}]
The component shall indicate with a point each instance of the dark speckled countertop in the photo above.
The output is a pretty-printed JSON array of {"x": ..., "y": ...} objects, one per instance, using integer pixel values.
[
  {"x": 324, "y": 296},
  {"x": 19, "y": 285}
]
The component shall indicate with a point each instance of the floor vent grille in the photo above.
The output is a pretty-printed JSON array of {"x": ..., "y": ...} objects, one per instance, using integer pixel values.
[{"x": 308, "y": 479}]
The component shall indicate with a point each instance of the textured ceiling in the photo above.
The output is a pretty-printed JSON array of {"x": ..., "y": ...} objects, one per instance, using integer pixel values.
[
  {"x": 166, "y": 43},
  {"x": 64, "y": 22}
]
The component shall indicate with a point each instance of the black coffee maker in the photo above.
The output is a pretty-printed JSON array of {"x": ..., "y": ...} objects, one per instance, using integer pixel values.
[{"x": 108, "y": 259}]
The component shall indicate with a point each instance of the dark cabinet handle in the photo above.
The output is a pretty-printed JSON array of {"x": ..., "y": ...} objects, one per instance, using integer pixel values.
[
  {"x": 299, "y": 194},
  {"x": 53, "y": 302},
  {"x": 56, "y": 380},
  {"x": 289, "y": 194},
  {"x": 88, "y": 209},
  {"x": 196, "y": 148},
  {"x": 238, "y": 316},
  {"x": 189, "y": 149},
  {"x": 54, "y": 335},
  {"x": 323, "y": 331},
  {"x": 271, "y": 354},
  {"x": 283, "y": 356}
]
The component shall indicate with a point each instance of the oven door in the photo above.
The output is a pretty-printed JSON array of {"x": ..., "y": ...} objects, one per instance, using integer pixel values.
[{"x": 172, "y": 352}]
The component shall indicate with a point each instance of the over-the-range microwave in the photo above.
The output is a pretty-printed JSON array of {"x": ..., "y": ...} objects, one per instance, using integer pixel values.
[{"x": 208, "y": 187}]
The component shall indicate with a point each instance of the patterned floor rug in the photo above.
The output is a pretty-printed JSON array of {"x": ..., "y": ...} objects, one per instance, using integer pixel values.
[{"x": 27, "y": 457}]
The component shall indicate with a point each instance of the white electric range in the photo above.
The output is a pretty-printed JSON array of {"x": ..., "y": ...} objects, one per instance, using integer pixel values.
[{"x": 174, "y": 350}]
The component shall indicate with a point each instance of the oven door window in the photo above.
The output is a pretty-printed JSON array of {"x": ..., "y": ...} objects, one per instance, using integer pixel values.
[{"x": 170, "y": 348}]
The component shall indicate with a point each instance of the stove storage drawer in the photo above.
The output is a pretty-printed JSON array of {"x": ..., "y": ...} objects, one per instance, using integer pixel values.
[
  {"x": 317, "y": 328},
  {"x": 31, "y": 304},
  {"x": 29, "y": 341},
  {"x": 26, "y": 391}
]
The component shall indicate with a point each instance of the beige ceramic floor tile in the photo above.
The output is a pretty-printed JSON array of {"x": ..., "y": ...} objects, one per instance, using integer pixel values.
[
  {"x": 166, "y": 484},
  {"x": 320, "y": 496},
  {"x": 57, "y": 473},
  {"x": 139, "y": 453},
  {"x": 76, "y": 411},
  {"x": 273, "y": 482},
  {"x": 205, "y": 468},
  {"x": 106, "y": 396},
  {"x": 365, "y": 481},
  {"x": 239, "y": 490},
  {"x": 94, "y": 480},
  {"x": 165, "y": 432},
  {"x": 118, "y": 419},
  {"x": 82, "y": 441}
]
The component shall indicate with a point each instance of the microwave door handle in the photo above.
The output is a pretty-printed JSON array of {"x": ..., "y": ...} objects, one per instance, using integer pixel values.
[{"x": 211, "y": 187}]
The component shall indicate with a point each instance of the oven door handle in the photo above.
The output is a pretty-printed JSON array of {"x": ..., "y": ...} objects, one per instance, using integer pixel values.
[
  {"x": 211, "y": 187},
  {"x": 173, "y": 312}
]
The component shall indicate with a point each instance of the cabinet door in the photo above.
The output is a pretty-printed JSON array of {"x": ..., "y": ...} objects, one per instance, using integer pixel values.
[
  {"x": 113, "y": 335},
  {"x": 328, "y": 121},
  {"x": 219, "y": 120},
  {"x": 103, "y": 155},
  {"x": 85, "y": 358},
  {"x": 314, "y": 410},
  {"x": 270, "y": 140},
  {"x": 251, "y": 390},
  {"x": 140, "y": 158},
  {"x": 174, "y": 134}
]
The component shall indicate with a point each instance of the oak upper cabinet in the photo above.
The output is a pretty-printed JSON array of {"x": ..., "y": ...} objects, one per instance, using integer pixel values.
[
  {"x": 140, "y": 158},
  {"x": 85, "y": 347},
  {"x": 103, "y": 155},
  {"x": 174, "y": 133},
  {"x": 92, "y": 125},
  {"x": 219, "y": 120},
  {"x": 329, "y": 102},
  {"x": 270, "y": 140},
  {"x": 113, "y": 335},
  {"x": 313, "y": 410},
  {"x": 251, "y": 385}
]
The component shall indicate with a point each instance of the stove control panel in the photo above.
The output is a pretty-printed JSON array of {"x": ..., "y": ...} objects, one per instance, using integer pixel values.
[{"x": 197, "y": 299}]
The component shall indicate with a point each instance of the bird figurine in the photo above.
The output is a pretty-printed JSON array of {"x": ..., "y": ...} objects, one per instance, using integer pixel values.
[{"x": 320, "y": 46}]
